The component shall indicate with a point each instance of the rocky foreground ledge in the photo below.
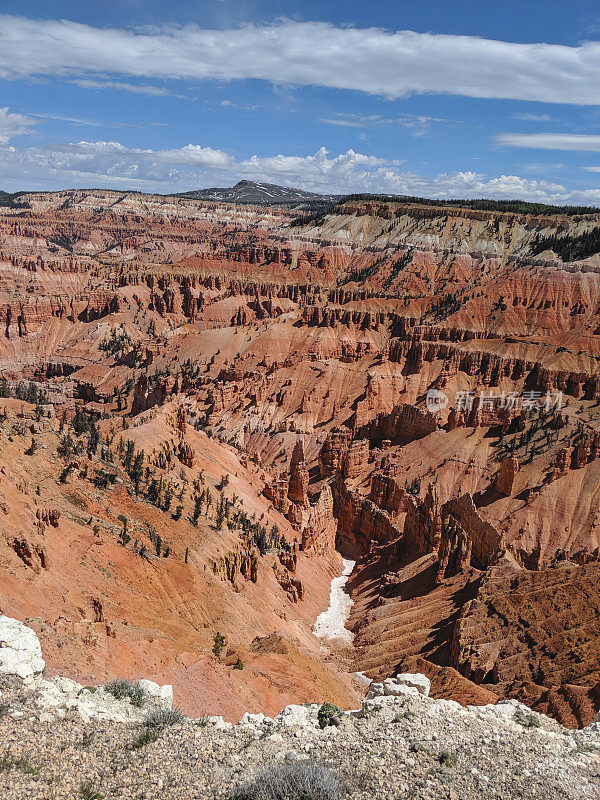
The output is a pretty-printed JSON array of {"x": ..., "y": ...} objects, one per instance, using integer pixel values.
[{"x": 59, "y": 739}]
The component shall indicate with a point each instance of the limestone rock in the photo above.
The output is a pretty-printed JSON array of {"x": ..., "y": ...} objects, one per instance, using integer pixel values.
[
  {"x": 160, "y": 695},
  {"x": 304, "y": 716},
  {"x": 415, "y": 680},
  {"x": 20, "y": 650}
]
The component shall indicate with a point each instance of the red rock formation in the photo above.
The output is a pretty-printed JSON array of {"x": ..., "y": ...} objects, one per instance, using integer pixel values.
[
  {"x": 529, "y": 627},
  {"x": 185, "y": 453},
  {"x": 48, "y": 516},
  {"x": 243, "y": 333},
  {"x": 334, "y": 450},
  {"x": 320, "y": 532},
  {"x": 454, "y": 555},
  {"x": 423, "y": 524},
  {"x": 299, "y": 477},
  {"x": 505, "y": 477},
  {"x": 356, "y": 459}
]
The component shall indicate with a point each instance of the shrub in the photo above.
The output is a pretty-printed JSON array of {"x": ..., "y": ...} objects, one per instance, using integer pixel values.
[
  {"x": 119, "y": 688},
  {"x": 299, "y": 780},
  {"x": 418, "y": 747},
  {"x": 526, "y": 720},
  {"x": 329, "y": 714},
  {"x": 218, "y": 644},
  {"x": 87, "y": 739},
  {"x": 122, "y": 689},
  {"x": 22, "y": 763},
  {"x": 447, "y": 759},
  {"x": 163, "y": 717},
  {"x": 146, "y": 736},
  {"x": 88, "y": 792}
]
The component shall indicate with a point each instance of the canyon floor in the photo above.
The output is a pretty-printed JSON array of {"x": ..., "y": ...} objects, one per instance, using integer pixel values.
[{"x": 207, "y": 409}]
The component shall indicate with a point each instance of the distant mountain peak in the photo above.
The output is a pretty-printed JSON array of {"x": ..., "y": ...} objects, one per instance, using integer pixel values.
[{"x": 259, "y": 193}]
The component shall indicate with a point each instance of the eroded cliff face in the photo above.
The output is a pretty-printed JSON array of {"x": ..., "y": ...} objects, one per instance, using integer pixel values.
[{"x": 400, "y": 384}]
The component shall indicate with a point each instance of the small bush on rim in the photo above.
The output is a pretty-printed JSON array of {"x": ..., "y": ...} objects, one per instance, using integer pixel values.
[
  {"x": 299, "y": 780},
  {"x": 146, "y": 736},
  {"x": 163, "y": 717},
  {"x": 122, "y": 689},
  {"x": 329, "y": 714}
]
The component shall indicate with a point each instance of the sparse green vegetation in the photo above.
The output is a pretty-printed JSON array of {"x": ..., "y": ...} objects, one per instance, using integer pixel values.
[
  {"x": 115, "y": 342},
  {"x": 163, "y": 718},
  {"x": 146, "y": 736},
  {"x": 122, "y": 689},
  {"x": 569, "y": 248},
  {"x": 218, "y": 644},
  {"x": 418, "y": 747},
  {"x": 448, "y": 759},
  {"x": 22, "y": 763},
  {"x": 526, "y": 719},
  {"x": 299, "y": 780},
  {"x": 328, "y": 715},
  {"x": 88, "y": 792}
]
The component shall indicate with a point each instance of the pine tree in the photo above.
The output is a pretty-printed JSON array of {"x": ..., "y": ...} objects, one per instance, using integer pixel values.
[
  {"x": 218, "y": 644},
  {"x": 137, "y": 470},
  {"x": 153, "y": 491},
  {"x": 128, "y": 454}
]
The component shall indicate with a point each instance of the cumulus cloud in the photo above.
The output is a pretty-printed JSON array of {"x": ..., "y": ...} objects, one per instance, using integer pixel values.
[
  {"x": 112, "y": 164},
  {"x": 394, "y": 64},
  {"x": 551, "y": 141},
  {"x": 12, "y": 125}
]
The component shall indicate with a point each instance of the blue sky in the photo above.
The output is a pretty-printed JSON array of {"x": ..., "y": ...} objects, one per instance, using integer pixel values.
[{"x": 442, "y": 98}]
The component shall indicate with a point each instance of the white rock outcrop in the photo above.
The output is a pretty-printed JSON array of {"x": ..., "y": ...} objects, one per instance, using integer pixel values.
[
  {"x": 402, "y": 684},
  {"x": 304, "y": 716},
  {"x": 20, "y": 650},
  {"x": 160, "y": 695},
  {"x": 415, "y": 680},
  {"x": 21, "y": 656}
]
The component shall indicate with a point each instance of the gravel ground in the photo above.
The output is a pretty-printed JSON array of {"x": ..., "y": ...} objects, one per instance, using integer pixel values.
[{"x": 402, "y": 747}]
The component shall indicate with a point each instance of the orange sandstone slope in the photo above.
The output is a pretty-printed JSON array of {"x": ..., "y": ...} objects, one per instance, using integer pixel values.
[
  {"x": 106, "y": 605},
  {"x": 249, "y": 396}
]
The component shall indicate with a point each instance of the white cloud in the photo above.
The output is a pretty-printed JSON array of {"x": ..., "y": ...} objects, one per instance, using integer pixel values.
[
  {"x": 344, "y": 123},
  {"x": 92, "y": 123},
  {"x": 111, "y": 164},
  {"x": 394, "y": 64},
  {"x": 133, "y": 88},
  {"x": 532, "y": 117},
  {"x": 194, "y": 155},
  {"x": 551, "y": 141},
  {"x": 238, "y": 106},
  {"x": 417, "y": 123},
  {"x": 12, "y": 125}
]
